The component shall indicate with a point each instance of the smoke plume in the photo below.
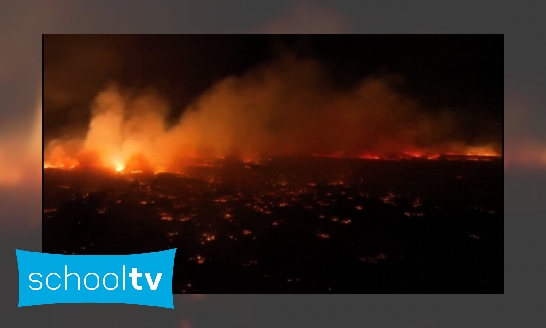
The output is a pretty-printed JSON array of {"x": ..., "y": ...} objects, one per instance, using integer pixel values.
[{"x": 286, "y": 107}]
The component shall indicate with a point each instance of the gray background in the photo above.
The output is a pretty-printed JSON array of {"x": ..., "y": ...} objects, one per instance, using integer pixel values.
[{"x": 522, "y": 305}]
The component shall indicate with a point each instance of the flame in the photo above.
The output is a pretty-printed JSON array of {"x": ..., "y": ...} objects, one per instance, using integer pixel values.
[
  {"x": 368, "y": 156},
  {"x": 119, "y": 167}
]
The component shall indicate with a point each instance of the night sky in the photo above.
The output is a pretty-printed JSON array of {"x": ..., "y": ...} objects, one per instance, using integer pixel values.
[{"x": 463, "y": 73}]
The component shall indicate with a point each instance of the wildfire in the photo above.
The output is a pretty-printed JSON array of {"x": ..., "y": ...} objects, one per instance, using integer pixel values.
[
  {"x": 139, "y": 164},
  {"x": 367, "y": 156},
  {"x": 128, "y": 131}
]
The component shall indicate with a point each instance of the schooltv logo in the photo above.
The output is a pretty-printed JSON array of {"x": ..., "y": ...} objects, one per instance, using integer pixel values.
[{"x": 141, "y": 279}]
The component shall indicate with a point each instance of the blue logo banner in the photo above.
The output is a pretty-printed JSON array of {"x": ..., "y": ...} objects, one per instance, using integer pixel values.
[{"x": 141, "y": 279}]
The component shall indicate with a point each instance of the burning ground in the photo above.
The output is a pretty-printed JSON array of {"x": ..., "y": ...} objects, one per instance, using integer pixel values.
[{"x": 293, "y": 224}]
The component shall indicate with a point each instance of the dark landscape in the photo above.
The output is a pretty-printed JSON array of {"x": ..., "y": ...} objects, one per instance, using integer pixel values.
[{"x": 294, "y": 224}]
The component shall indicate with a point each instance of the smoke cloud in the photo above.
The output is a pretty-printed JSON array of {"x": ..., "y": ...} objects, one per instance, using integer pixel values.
[{"x": 286, "y": 107}]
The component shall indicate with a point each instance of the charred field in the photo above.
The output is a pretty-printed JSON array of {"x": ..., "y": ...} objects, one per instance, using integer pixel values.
[{"x": 293, "y": 224}]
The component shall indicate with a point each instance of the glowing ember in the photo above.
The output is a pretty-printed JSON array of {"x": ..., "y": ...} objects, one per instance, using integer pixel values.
[
  {"x": 374, "y": 259},
  {"x": 417, "y": 202},
  {"x": 167, "y": 218},
  {"x": 414, "y": 214},
  {"x": 199, "y": 259},
  {"x": 389, "y": 199}
]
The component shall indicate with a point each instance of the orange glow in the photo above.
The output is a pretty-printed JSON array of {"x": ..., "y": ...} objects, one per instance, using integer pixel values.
[
  {"x": 366, "y": 156},
  {"x": 120, "y": 167},
  {"x": 413, "y": 154}
]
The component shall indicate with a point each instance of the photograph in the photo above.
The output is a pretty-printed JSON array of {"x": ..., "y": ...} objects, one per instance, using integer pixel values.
[{"x": 280, "y": 164}]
